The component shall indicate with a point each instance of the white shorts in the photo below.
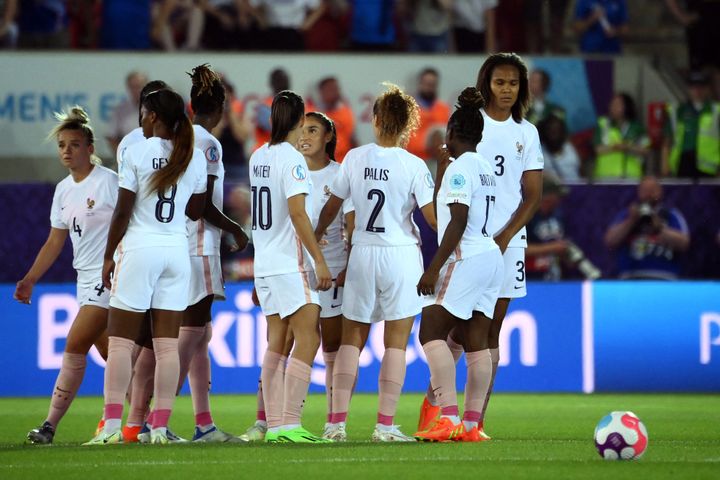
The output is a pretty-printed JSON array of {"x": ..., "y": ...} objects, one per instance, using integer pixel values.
[
  {"x": 151, "y": 277},
  {"x": 514, "y": 283},
  {"x": 205, "y": 278},
  {"x": 383, "y": 283},
  {"x": 331, "y": 300},
  {"x": 285, "y": 294},
  {"x": 470, "y": 284},
  {"x": 93, "y": 294}
]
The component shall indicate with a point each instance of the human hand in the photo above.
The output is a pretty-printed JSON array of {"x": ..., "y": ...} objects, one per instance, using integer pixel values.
[
  {"x": 322, "y": 274},
  {"x": 340, "y": 280},
  {"x": 107, "y": 271},
  {"x": 241, "y": 241},
  {"x": 23, "y": 291},
  {"x": 426, "y": 285},
  {"x": 502, "y": 240}
]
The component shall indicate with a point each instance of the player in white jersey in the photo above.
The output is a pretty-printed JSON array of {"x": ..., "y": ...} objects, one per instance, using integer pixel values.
[
  {"x": 464, "y": 277},
  {"x": 82, "y": 206},
  {"x": 282, "y": 237},
  {"x": 385, "y": 184},
  {"x": 161, "y": 180}
]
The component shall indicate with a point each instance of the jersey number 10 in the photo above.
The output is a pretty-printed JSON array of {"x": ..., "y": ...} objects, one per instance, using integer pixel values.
[{"x": 261, "y": 208}]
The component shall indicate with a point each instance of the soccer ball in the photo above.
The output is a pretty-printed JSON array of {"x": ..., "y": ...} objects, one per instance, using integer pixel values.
[{"x": 621, "y": 436}]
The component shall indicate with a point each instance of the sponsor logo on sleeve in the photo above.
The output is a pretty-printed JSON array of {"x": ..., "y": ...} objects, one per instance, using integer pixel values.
[
  {"x": 212, "y": 155},
  {"x": 298, "y": 173},
  {"x": 457, "y": 181},
  {"x": 429, "y": 180}
]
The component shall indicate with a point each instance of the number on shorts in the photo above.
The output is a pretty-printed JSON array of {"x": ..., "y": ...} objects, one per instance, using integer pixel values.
[
  {"x": 76, "y": 228},
  {"x": 262, "y": 208},
  {"x": 335, "y": 290},
  {"x": 376, "y": 210},
  {"x": 165, "y": 214},
  {"x": 100, "y": 289},
  {"x": 488, "y": 200},
  {"x": 500, "y": 165},
  {"x": 521, "y": 270}
]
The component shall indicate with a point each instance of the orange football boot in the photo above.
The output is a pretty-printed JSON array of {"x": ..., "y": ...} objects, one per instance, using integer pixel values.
[
  {"x": 428, "y": 414},
  {"x": 442, "y": 430},
  {"x": 130, "y": 434}
]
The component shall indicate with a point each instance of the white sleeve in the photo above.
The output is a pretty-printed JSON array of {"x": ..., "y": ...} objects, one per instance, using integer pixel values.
[
  {"x": 127, "y": 176},
  {"x": 423, "y": 186},
  {"x": 201, "y": 175},
  {"x": 458, "y": 185},
  {"x": 56, "y": 220},
  {"x": 212, "y": 157},
  {"x": 341, "y": 184},
  {"x": 294, "y": 177},
  {"x": 533, "y": 154},
  {"x": 348, "y": 206}
]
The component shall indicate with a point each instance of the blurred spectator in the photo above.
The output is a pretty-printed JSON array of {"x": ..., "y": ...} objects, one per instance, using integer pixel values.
[
  {"x": 43, "y": 24},
  {"x": 548, "y": 250},
  {"x": 700, "y": 19},
  {"x": 512, "y": 36},
  {"x": 229, "y": 25},
  {"x": 284, "y": 21},
  {"x": 600, "y": 24},
  {"x": 435, "y": 140},
  {"x": 331, "y": 29},
  {"x": 178, "y": 22},
  {"x": 474, "y": 26},
  {"x": 433, "y": 111},
  {"x": 126, "y": 25},
  {"x": 540, "y": 107},
  {"x": 621, "y": 144},
  {"x": 8, "y": 27},
  {"x": 372, "y": 25},
  {"x": 648, "y": 236},
  {"x": 338, "y": 109},
  {"x": 561, "y": 158},
  {"x": 429, "y": 24},
  {"x": 233, "y": 131},
  {"x": 84, "y": 23},
  {"x": 278, "y": 81},
  {"x": 692, "y": 133},
  {"x": 125, "y": 116},
  {"x": 537, "y": 22}
]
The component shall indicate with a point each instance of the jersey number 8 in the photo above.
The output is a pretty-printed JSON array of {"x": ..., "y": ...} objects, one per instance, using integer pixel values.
[{"x": 165, "y": 214}]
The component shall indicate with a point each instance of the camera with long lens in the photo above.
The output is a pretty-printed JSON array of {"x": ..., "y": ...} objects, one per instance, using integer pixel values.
[
  {"x": 577, "y": 257},
  {"x": 645, "y": 210}
]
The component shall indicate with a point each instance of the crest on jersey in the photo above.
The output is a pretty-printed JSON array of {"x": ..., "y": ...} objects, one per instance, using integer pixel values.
[
  {"x": 519, "y": 147},
  {"x": 90, "y": 203},
  {"x": 298, "y": 173},
  {"x": 212, "y": 155},
  {"x": 457, "y": 181},
  {"x": 326, "y": 189},
  {"x": 429, "y": 180}
]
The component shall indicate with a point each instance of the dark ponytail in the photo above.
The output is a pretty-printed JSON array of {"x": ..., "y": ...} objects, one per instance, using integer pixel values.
[
  {"x": 329, "y": 127},
  {"x": 287, "y": 110},
  {"x": 467, "y": 122}
]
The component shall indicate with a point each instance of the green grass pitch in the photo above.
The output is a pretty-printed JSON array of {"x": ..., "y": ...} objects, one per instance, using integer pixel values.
[{"x": 534, "y": 436}]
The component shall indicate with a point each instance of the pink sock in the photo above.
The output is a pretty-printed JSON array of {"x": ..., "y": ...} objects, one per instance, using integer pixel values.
[
  {"x": 189, "y": 341},
  {"x": 260, "y": 403},
  {"x": 495, "y": 357},
  {"x": 344, "y": 376},
  {"x": 135, "y": 353},
  {"x": 118, "y": 371},
  {"x": 273, "y": 381},
  {"x": 457, "y": 351},
  {"x": 329, "y": 358},
  {"x": 167, "y": 369},
  {"x": 66, "y": 386},
  {"x": 297, "y": 381},
  {"x": 442, "y": 372},
  {"x": 199, "y": 377},
  {"x": 143, "y": 382},
  {"x": 160, "y": 417},
  {"x": 479, "y": 373},
  {"x": 390, "y": 382}
]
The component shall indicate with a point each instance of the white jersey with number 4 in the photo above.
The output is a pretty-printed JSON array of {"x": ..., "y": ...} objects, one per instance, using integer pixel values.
[
  {"x": 385, "y": 185},
  {"x": 85, "y": 209},
  {"x": 512, "y": 148},
  {"x": 158, "y": 218},
  {"x": 204, "y": 237},
  {"x": 277, "y": 172},
  {"x": 468, "y": 180},
  {"x": 335, "y": 252}
]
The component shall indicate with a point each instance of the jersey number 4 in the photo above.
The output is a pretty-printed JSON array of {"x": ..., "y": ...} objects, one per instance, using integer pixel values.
[
  {"x": 376, "y": 210},
  {"x": 165, "y": 206},
  {"x": 76, "y": 228},
  {"x": 261, "y": 208}
]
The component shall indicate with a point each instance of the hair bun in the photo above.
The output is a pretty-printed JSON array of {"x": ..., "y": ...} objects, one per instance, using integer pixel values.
[
  {"x": 470, "y": 97},
  {"x": 78, "y": 114}
]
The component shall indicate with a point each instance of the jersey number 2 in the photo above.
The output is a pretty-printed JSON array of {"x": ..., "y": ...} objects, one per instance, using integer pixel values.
[
  {"x": 165, "y": 214},
  {"x": 376, "y": 210}
]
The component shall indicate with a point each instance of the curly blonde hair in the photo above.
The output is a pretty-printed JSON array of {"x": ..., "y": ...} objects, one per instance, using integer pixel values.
[{"x": 397, "y": 115}]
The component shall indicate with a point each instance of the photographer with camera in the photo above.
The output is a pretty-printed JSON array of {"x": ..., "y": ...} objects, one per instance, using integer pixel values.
[
  {"x": 648, "y": 236},
  {"x": 548, "y": 249}
]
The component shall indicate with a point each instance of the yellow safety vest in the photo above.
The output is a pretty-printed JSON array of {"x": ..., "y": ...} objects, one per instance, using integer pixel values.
[
  {"x": 708, "y": 141},
  {"x": 615, "y": 164}
]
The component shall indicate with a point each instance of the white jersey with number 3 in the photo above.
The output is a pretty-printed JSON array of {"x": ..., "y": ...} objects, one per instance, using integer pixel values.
[
  {"x": 468, "y": 180},
  {"x": 277, "y": 172},
  {"x": 385, "y": 185},
  {"x": 158, "y": 218},
  {"x": 512, "y": 148}
]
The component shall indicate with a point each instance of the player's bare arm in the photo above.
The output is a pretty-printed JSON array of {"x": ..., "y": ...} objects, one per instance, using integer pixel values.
[
  {"x": 303, "y": 228},
  {"x": 451, "y": 239},
  {"x": 213, "y": 215},
  {"x": 531, "y": 196},
  {"x": 118, "y": 227}
]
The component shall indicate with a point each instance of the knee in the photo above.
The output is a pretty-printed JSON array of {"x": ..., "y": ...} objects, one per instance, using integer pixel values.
[{"x": 75, "y": 344}]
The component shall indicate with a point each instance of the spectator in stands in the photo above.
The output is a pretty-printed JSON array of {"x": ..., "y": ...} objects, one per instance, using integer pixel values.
[
  {"x": 329, "y": 32},
  {"x": 692, "y": 133},
  {"x": 125, "y": 116},
  {"x": 601, "y": 24},
  {"x": 283, "y": 22},
  {"x": 126, "y": 25},
  {"x": 700, "y": 19},
  {"x": 233, "y": 131},
  {"x": 429, "y": 24},
  {"x": 229, "y": 25},
  {"x": 84, "y": 23},
  {"x": 540, "y": 107},
  {"x": 621, "y": 143},
  {"x": 648, "y": 236},
  {"x": 535, "y": 20},
  {"x": 8, "y": 26},
  {"x": 433, "y": 149},
  {"x": 372, "y": 25},
  {"x": 279, "y": 80},
  {"x": 338, "y": 109},
  {"x": 474, "y": 26},
  {"x": 178, "y": 22},
  {"x": 561, "y": 158},
  {"x": 43, "y": 24},
  {"x": 433, "y": 111}
]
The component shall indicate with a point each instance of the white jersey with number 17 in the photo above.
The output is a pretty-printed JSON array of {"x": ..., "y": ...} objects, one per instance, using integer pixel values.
[{"x": 512, "y": 148}]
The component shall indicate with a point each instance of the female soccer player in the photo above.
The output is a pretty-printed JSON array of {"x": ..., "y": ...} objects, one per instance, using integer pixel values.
[
  {"x": 512, "y": 145},
  {"x": 282, "y": 233},
  {"x": 160, "y": 179},
  {"x": 385, "y": 184},
  {"x": 83, "y": 202},
  {"x": 464, "y": 276}
]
